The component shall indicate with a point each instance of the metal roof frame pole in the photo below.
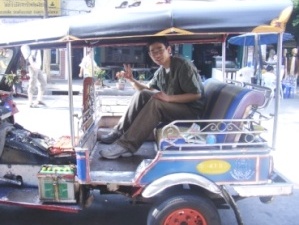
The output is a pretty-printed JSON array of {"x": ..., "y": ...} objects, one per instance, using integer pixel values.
[
  {"x": 256, "y": 60},
  {"x": 278, "y": 87},
  {"x": 223, "y": 56},
  {"x": 91, "y": 55},
  {"x": 244, "y": 56},
  {"x": 70, "y": 91}
]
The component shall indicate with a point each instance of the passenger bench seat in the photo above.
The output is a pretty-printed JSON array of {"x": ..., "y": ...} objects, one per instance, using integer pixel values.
[{"x": 223, "y": 101}]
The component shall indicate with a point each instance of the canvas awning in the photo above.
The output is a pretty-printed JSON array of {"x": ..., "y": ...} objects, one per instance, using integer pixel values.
[{"x": 181, "y": 21}]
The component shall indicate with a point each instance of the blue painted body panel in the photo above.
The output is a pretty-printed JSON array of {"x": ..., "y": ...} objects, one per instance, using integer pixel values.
[{"x": 222, "y": 168}]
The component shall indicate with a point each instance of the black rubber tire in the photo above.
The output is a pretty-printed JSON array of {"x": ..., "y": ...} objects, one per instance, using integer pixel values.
[{"x": 201, "y": 209}]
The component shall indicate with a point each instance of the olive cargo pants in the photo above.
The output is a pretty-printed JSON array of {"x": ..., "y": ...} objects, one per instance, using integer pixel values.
[{"x": 144, "y": 114}]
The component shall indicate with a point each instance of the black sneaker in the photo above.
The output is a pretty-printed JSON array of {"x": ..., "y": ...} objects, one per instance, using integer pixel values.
[{"x": 110, "y": 138}]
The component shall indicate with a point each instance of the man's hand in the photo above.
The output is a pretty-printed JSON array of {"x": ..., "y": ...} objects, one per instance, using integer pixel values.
[
  {"x": 129, "y": 76},
  {"x": 128, "y": 72},
  {"x": 161, "y": 96}
]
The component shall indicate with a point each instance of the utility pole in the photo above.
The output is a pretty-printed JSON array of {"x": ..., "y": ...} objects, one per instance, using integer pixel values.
[
  {"x": 45, "y": 9},
  {"x": 46, "y": 52}
]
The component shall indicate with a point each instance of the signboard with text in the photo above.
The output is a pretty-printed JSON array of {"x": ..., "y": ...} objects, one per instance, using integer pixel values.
[{"x": 19, "y": 8}]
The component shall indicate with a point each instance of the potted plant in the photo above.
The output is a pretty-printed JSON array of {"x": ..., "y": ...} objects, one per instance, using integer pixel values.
[
  {"x": 9, "y": 81},
  {"x": 120, "y": 80},
  {"x": 100, "y": 75},
  {"x": 141, "y": 77}
]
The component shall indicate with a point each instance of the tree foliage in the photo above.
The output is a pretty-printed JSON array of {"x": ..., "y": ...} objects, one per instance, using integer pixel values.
[{"x": 293, "y": 23}]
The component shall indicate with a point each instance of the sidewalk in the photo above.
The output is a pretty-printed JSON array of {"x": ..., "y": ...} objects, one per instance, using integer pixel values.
[
  {"x": 60, "y": 87},
  {"x": 286, "y": 153}
]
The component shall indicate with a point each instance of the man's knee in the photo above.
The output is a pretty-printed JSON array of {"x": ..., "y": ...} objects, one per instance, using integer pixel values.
[
  {"x": 143, "y": 96},
  {"x": 156, "y": 104}
]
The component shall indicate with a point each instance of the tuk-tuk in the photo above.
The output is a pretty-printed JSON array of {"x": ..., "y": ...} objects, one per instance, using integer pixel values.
[{"x": 177, "y": 171}]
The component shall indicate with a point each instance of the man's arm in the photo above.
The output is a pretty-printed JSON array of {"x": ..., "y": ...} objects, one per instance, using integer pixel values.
[
  {"x": 182, "y": 98},
  {"x": 135, "y": 83}
]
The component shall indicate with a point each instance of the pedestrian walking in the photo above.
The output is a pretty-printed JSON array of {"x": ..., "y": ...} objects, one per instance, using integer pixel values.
[
  {"x": 36, "y": 77},
  {"x": 86, "y": 65}
]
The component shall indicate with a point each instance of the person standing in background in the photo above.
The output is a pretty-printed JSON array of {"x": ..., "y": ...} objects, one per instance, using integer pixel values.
[
  {"x": 18, "y": 89},
  {"x": 36, "y": 77},
  {"x": 294, "y": 64},
  {"x": 269, "y": 79},
  {"x": 284, "y": 63},
  {"x": 86, "y": 65},
  {"x": 293, "y": 70},
  {"x": 272, "y": 58}
]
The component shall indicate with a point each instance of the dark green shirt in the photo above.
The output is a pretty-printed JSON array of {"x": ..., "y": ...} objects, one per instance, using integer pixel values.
[{"x": 181, "y": 79}]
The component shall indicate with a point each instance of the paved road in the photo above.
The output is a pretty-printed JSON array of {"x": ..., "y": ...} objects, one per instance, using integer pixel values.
[
  {"x": 116, "y": 210},
  {"x": 286, "y": 153}
]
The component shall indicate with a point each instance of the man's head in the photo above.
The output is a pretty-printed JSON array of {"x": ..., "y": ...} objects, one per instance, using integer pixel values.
[
  {"x": 269, "y": 68},
  {"x": 294, "y": 51},
  {"x": 159, "y": 39},
  {"x": 272, "y": 52},
  {"x": 88, "y": 51},
  {"x": 159, "y": 50}
]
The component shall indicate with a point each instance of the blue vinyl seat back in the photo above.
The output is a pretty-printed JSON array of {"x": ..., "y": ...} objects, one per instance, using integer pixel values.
[{"x": 229, "y": 101}]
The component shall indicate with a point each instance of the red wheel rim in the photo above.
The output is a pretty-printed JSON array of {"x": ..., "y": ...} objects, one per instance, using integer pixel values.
[{"x": 185, "y": 217}]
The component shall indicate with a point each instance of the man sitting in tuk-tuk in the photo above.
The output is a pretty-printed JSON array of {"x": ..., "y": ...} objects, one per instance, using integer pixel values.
[{"x": 175, "y": 93}]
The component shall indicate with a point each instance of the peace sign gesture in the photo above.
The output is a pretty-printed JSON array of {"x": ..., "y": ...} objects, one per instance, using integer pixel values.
[{"x": 128, "y": 72}]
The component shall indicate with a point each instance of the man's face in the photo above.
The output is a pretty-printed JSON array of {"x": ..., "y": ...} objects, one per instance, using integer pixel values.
[{"x": 159, "y": 53}]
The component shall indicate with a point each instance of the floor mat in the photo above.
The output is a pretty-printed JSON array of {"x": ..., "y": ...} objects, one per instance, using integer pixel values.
[{"x": 146, "y": 151}]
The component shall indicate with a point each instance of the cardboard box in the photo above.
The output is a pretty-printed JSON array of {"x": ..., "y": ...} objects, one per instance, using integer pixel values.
[{"x": 57, "y": 183}]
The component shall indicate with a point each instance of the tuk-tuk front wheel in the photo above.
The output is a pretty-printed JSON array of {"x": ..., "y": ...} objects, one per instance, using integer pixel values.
[{"x": 184, "y": 210}]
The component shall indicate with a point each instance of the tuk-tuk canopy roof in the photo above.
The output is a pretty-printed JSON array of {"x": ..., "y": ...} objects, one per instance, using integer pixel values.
[{"x": 181, "y": 21}]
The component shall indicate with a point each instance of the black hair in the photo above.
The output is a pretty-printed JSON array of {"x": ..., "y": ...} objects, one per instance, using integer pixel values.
[
  {"x": 269, "y": 68},
  {"x": 158, "y": 39}
]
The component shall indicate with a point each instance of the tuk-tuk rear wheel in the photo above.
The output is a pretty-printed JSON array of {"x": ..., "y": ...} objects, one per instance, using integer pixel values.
[{"x": 184, "y": 210}]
